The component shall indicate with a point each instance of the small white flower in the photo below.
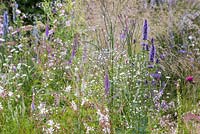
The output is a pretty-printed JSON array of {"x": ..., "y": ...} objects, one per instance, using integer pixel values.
[
  {"x": 20, "y": 84},
  {"x": 10, "y": 94},
  {"x": 57, "y": 126},
  {"x": 74, "y": 106},
  {"x": 42, "y": 108},
  {"x": 83, "y": 101},
  {"x": 10, "y": 56},
  {"x": 2, "y": 40},
  {"x": 13, "y": 50},
  {"x": 18, "y": 96},
  {"x": 68, "y": 89},
  {"x": 50, "y": 122},
  {"x": 67, "y": 67},
  {"x": 50, "y": 130},
  {"x": 1, "y": 107},
  {"x": 76, "y": 69},
  {"x": 18, "y": 11},
  {"x": 190, "y": 37},
  {"x": 1, "y": 90},
  {"x": 68, "y": 23}
]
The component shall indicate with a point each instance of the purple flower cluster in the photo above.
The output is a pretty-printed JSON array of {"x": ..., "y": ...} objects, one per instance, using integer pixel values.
[
  {"x": 156, "y": 76},
  {"x": 145, "y": 30}
]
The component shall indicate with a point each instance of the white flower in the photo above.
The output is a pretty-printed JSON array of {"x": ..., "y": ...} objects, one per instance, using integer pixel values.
[
  {"x": 1, "y": 107},
  {"x": 74, "y": 106},
  {"x": 68, "y": 23},
  {"x": 42, "y": 108},
  {"x": 10, "y": 94},
  {"x": 68, "y": 89},
  {"x": 190, "y": 37},
  {"x": 50, "y": 130},
  {"x": 83, "y": 101},
  {"x": 76, "y": 69},
  {"x": 18, "y": 11},
  {"x": 57, "y": 126},
  {"x": 2, "y": 40},
  {"x": 50, "y": 122},
  {"x": 18, "y": 96},
  {"x": 1, "y": 90}
]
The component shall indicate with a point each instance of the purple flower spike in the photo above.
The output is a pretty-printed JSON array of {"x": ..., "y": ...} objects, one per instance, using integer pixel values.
[
  {"x": 47, "y": 31},
  {"x": 152, "y": 52},
  {"x": 106, "y": 83},
  {"x": 32, "y": 106},
  {"x": 145, "y": 30},
  {"x": 5, "y": 23},
  {"x": 74, "y": 49}
]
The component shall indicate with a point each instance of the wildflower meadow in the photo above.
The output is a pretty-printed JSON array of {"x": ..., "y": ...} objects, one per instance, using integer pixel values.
[{"x": 99, "y": 67}]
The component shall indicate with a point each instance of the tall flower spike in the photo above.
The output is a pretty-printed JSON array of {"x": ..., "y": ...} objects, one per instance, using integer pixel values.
[
  {"x": 5, "y": 23},
  {"x": 145, "y": 30},
  {"x": 14, "y": 11},
  {"x": 33, "y": 103},
  {"x": 152, "y": 52},
  {"x": 74, "y": 49},
  {"x": 47, "y": 31},
  {"x": 106, "y": 83}
]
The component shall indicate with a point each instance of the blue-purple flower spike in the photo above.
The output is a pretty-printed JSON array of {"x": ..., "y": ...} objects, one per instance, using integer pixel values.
[
  {"x": 5, "y": 23},
  {"x": 145, "y": 30},
  {"x": 47, "y": 31},
  {"x": 152, "y": 52},
  {"x": 74, "y": 49},
  {"x": 106, "y": 83}
]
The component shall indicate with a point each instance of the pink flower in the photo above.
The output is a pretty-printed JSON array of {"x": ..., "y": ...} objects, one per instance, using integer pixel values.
[{"x": 189, "y": 79}]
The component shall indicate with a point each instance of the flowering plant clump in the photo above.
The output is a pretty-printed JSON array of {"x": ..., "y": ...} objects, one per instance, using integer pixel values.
[{"x": 62, "y": 73}]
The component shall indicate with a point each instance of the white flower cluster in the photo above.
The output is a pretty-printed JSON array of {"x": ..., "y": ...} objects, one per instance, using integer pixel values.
[
  {"x": 42, "y": 109},
  {"x": 104, "y": 121},
  {"x": 52, "y": 127},
  {"x": 88, "y": 128}
]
